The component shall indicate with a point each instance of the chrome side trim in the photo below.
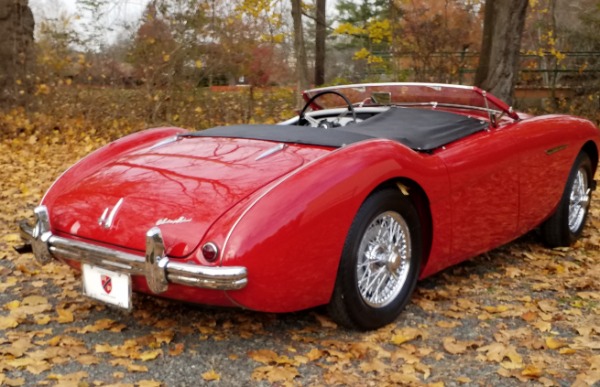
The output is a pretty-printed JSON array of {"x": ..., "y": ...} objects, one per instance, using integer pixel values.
[{"x": 158, "y": 269}]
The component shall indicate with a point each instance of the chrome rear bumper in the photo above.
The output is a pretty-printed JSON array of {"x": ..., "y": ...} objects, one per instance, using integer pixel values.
[{"x": 155, "y": 266}]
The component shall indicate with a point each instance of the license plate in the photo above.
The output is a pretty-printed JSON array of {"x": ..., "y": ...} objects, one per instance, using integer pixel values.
[{"x": 107, "y": 286}]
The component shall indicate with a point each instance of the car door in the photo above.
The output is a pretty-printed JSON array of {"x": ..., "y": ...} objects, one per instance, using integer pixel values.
[{"x": 484, "y": 191}]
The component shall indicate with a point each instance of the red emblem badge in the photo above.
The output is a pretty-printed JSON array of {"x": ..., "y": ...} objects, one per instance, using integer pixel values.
[{"x": 106, "y": 283}]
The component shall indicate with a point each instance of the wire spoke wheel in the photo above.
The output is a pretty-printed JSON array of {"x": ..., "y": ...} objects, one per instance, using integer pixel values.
[
  {"x": 566, "y": 224},
  {"x": 383, "y": 259},
  {"x": 579, "y": 200},
  {"x": 380, "y": 262}
]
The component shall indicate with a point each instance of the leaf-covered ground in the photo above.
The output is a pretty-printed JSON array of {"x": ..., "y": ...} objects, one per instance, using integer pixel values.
[{"x": 521, "y": 314}]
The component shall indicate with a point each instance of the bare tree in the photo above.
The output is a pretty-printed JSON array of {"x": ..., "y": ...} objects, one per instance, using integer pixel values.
[
  {"x": 299, "y": 48},
  {"x": 321, "y": 34},
  {"x": 503, "y": 25}
]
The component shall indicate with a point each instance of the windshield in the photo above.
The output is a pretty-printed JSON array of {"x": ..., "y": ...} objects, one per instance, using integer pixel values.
[{"x": 410, "y": 94}]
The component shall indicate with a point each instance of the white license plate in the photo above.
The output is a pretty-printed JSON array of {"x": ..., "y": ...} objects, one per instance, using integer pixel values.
[{"x": 107, "y": 286}]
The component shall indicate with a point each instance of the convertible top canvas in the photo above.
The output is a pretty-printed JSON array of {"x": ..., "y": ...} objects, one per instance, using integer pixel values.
[{"x": 419, "y": 129}]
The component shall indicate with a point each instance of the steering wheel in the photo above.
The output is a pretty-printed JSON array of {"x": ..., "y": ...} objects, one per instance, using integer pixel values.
[{"x": 304, "y": 118}]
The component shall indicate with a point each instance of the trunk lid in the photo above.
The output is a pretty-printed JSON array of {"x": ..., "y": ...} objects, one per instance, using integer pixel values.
[{"x": 181, "y": 186}]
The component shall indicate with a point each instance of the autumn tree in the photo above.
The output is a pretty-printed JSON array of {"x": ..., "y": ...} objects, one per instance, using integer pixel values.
[
  {"x": 365, "y": 29},
  {"x": 153, "y": 47},
  {"x": 299, "y": 46},
  {"x": 497, "y": 72},
  {"x": 434, "y": 37},
  {"x": 320, "y": 37},
  {"x": 16, "y": 48}
]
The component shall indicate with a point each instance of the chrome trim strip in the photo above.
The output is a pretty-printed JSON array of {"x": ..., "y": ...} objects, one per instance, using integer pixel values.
[
  {"x": 387, "y": 84},
  {"x": 273, "y": 150},
  {"x": 165, "y": 142},
  {"x": 158, "y": 269}
]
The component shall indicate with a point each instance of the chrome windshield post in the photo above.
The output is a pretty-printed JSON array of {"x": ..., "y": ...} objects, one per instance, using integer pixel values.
[
  {"x": 156, "y": 261},
  {"x": 492, "y": 117}
]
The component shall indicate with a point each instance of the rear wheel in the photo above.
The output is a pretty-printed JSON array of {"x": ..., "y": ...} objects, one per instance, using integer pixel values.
[
  {"x": 380, "y": 262},
  {"x": 566, "y": 224}
]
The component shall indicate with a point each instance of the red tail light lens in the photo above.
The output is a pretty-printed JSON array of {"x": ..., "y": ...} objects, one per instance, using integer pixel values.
[{"x": 210, "y": 252}]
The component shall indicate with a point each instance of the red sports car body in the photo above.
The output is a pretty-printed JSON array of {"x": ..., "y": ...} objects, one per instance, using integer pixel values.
[{"x": 346, "y": 206}]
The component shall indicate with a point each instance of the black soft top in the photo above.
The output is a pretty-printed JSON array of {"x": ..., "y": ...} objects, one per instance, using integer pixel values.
[{"x": 418, "y": 129}]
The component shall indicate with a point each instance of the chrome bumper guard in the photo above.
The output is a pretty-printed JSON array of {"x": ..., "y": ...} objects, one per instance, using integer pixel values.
[{"x": 156, "y": 266}]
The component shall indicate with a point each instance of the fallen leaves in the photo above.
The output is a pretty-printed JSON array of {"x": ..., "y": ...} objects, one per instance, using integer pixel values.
[
  {"x": 405, "y": 335},
  {"x": 455, "y": 347},
  {"x": 555, "y": 343},
  {"x": 211, "y": 375},
  {"x": 521, "y": 312}
]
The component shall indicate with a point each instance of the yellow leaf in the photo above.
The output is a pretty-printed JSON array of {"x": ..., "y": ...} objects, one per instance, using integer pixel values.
[
  {"x": 451, "y": 345},
  {"x": 12, "y": 305},
  {"x": 496, "y": 309},
  {"x": 42, "y": 320},
  {"x": 567, "y": 351},
  {"x": 553, "y": 343},
  {"x": 64, "y": 316},
  {"x": 198, "y": 64},
  {"x": 14, "y": 382},
  {"x": 448, "y": 324},
  {"x": 531, "y": 371},
  {"x": 8, "y": 322},
  {"x": 275, "y": 373},
  {"x": 406, "y": 334},
  {"x": 12, "y": 238},
  {"x": 137, "y": 368},
  {"x": 35, "y": 300},
  {"x": 315, "y": 354},
  {"x": 166, "y": 57},
  {"x": 543, "y": 326},
  {"x": 265, "y": 356},
  {"x": 150, "y": 355},
  {"x": 149, "y": 383},
  {"x": 211, "y": 375}
]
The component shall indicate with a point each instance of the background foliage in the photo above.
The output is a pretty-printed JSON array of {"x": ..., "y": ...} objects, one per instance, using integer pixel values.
[{"x": 200, "y": 63}]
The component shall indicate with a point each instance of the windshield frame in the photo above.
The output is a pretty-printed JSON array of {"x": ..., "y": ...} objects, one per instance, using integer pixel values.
[{"x": 489, "y": 103}]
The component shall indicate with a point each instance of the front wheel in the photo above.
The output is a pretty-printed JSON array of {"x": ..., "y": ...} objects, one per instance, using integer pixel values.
[
  {"x": 566, "y": 224},
  {"x": 380, "y": 262}
]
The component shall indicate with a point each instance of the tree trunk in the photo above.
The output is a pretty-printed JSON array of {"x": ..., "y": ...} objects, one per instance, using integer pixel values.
[
  {"x": 321, "y": 34},
  {"x": 299, "y": 49},
  {"x": 503, "y": 25},
  {"x": 16, "y": 49}
]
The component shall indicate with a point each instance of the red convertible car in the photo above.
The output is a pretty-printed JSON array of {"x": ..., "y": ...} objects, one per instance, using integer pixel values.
[{"x": 370, "y": 188}]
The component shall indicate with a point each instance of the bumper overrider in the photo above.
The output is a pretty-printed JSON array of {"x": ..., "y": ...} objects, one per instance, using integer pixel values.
[{"x": 158, "y": 269}]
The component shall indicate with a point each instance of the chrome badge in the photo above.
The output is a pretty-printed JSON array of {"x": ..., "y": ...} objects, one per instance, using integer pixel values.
[{"x": 108, "y": 216}]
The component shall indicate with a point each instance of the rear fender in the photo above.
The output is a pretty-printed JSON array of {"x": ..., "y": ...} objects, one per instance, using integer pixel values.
[{"x": 291, "y": 235}]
